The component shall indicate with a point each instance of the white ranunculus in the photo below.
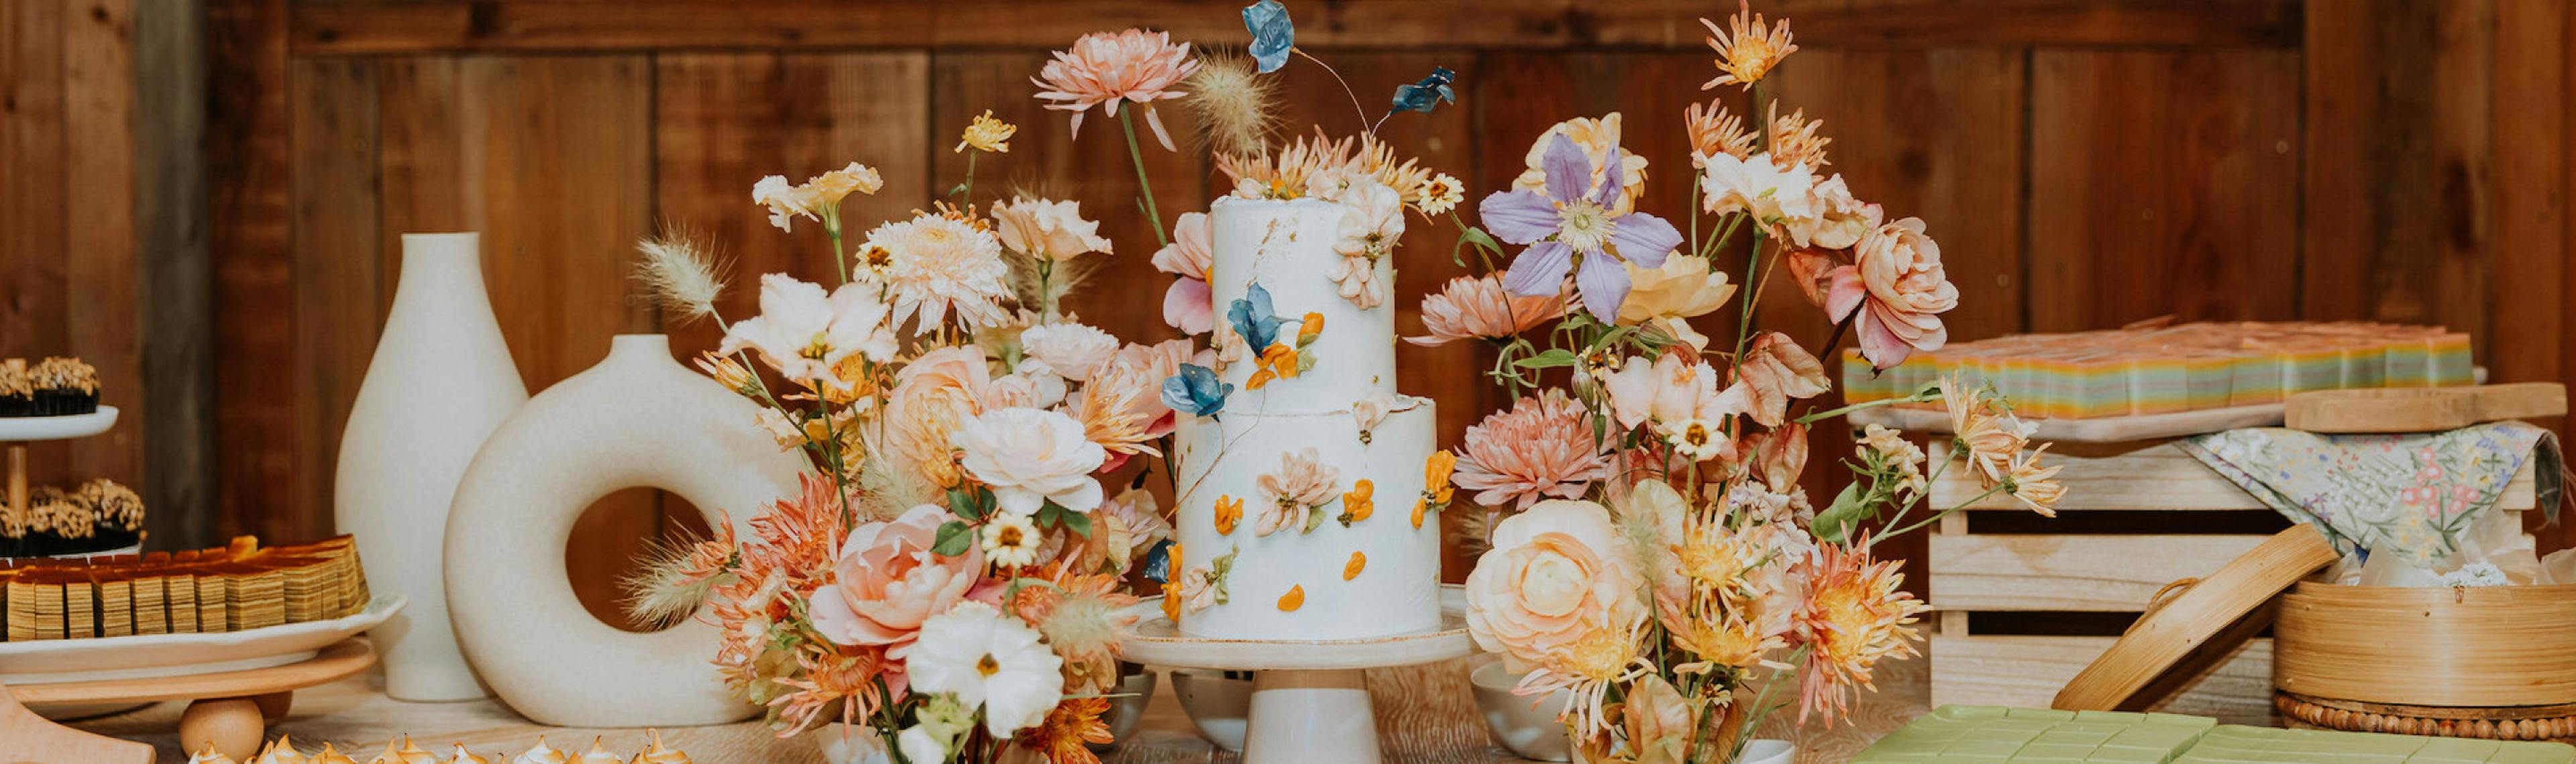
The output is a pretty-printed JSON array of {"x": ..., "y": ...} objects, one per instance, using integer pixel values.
[
  {"x": 803, "y": 333},
  {"x": 1073, "y": 350},
  {"x": 984, "y": 658},
  {"x": 1050, "y": 230},
  {"x": 1032, "y": 456}
]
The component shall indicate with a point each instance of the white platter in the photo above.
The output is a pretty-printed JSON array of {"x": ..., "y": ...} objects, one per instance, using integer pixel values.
[
  {"x": 161, "y": 655},
  {"x": 24, "y": 428}
]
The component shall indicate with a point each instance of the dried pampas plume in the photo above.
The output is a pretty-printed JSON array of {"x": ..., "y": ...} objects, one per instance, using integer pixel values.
[
  {"x": 682, "y": 274},
  {"x": 1234, "y": 103},
  {"x": 660, "y": 592}
]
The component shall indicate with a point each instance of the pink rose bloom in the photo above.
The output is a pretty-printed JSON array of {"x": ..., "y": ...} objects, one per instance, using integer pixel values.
[
  {"x": 1896, "y": 282},
  {"x": 1188, "y": 306},
  {"x": 888, "y": 581},
  {"x": 1540, "y": 447},
  {"x": 1469, "y": 308},
  {"x": 1555, "y": 573}
]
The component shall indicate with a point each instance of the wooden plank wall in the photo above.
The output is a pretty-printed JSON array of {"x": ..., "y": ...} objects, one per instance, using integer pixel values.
[{"x": 2083, "y": 162}]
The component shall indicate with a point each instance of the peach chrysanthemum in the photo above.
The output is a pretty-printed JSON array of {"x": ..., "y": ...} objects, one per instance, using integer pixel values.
[
  {"x": 1081, "y": 621},
  {"x": 940, "y": 262},
  {"x": 1470, "y": 307},
  {"x": 2035, "y": 484},
  {"x": 1067, "y": 731},
  {"x": 1541, "y": 447},
  {"x": 1854, "y": 617},
  {"x": 1990, "y": 439},
  {"x": 1714, "y": 131},
  {"x": 1107, "y": 68},
  {"x": 1796, "y": 140},
  {"x": 1750, "y": 52}
]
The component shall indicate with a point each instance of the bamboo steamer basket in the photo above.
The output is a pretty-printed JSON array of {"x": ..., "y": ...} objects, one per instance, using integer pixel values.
[
  {"x": 2463, "y": 648},
  {"x": 2182, "y": 637}
]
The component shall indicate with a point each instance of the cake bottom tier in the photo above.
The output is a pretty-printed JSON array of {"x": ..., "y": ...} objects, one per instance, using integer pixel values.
[{"x": 1362, "y": 563}]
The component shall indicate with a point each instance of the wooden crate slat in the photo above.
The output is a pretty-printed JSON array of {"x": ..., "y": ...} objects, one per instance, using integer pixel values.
[
  {"x": 2027, "y": 671},
  {"x": 2072, "y": 573},
  {"x": 2158, "y": 477}
]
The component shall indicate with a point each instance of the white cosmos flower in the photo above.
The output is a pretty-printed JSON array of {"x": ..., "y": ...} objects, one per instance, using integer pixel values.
[
  {"x": 1032, "y": 456},
  {"x": 984, "y": 658},
  {"x": 1756, "y": 185},
  {"x": 802, "y": 333}
]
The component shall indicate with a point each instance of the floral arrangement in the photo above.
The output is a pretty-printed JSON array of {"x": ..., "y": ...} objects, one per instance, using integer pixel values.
[
  {"x": 955, "y": 576},
  {"x": 1647, "y": 545}
]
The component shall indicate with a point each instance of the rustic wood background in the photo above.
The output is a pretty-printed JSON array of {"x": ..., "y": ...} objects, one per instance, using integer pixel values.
[{"x": 203, "y": 196}]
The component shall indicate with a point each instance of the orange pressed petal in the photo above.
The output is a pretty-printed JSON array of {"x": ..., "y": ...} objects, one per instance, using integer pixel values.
[
  {"x": 1357, "y": 503},
  {"x": 1294, "y": 599},
  {"x": 1258, "y": 379},
  {"x": 1229, "y": 512},
  {"x": 1313, "y": 325},
  {"x": 1351, "y": 570},
  {"x": 1419, "y": 505}
]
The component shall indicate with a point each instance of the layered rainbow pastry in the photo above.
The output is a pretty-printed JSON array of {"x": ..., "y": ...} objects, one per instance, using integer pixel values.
[{"x": 2169, "y": 369}]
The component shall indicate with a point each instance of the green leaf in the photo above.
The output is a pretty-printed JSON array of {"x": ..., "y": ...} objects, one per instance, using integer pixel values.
[
  {"x": 1553, "y": 358},
  {"x": 1835, "y": 524},
  {"x": 970, "y": 506},
  {"x": 1054, "y": 514},
  {"x": 953, "y": 539}
]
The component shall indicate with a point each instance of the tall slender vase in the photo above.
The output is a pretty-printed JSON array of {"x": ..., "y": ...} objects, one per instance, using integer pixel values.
[{"x": 441, "y": 381}]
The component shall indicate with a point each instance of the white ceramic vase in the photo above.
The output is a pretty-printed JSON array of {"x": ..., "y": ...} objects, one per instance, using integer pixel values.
[
  {"x": 440, "y": 382},
  {"x": 638, "y": 419}
]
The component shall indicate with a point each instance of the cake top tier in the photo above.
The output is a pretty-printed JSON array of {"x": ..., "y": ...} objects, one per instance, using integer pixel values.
[{"x": 1300, "y": 289}]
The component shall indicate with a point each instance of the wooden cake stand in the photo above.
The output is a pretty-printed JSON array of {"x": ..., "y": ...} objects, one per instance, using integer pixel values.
[
  {"x": 228, "y": 710},
  {"x": 1309, "y": 700}
]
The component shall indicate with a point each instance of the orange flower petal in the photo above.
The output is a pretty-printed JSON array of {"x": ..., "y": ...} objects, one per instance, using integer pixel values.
[
  {"x": 1294, "y": 599},
  {"x": 1351, "y": 570},
  {"x": 1418, "y": 506},
  {"x": 1229, "y": 512}
]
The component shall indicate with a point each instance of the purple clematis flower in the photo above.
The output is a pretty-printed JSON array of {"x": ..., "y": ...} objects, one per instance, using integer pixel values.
[{"x": 1561, "y": 223}]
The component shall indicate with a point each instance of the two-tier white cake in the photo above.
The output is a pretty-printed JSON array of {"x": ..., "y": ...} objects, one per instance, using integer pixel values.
[{"x": 1298, "y": 499}]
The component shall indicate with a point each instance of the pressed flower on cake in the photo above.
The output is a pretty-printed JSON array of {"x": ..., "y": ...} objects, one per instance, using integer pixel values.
[{"x": 1294, "y": 493}]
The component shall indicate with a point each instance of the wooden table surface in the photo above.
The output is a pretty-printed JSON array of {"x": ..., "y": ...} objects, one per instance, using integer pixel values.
[{"x": 1426, "y": 715}]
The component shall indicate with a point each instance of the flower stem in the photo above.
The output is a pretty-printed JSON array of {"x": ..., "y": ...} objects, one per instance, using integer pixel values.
[
  {"x": 1928, "y": 394},
  {"x": 832, "y": 228},
  {"x": 1936, "y": 516},
  {"x": 967, "y": 189},
  {"x": 1144, "y": 187},
  {"x": 1346, "y": 90}
]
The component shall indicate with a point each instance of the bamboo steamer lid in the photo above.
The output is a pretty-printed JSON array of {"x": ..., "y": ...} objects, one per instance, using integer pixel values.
[{"x": 2186, "y": 635}]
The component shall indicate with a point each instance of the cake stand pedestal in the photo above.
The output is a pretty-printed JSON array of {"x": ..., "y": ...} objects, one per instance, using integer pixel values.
[
  {"x": 16, "y": 432},
  {"x": 1309, "y": 699}
]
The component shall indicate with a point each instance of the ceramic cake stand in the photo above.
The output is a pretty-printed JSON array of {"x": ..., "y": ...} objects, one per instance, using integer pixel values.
[
  {"x": 1309, "y": 699},
  {"x": 17, "y": 431}
]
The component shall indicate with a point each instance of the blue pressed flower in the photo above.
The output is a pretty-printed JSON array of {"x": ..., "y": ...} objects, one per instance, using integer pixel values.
[
  {"x": 1254, "y": 319},
  {"x": 1157, "y": 565},
  {"x": 1195, "y": 390},
  {"x": 1432, "y": 91},
  {"x": 1272, "y": 34}
]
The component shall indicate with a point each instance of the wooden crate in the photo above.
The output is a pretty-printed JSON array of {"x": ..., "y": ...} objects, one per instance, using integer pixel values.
[{"x": 2024, "y": 603}]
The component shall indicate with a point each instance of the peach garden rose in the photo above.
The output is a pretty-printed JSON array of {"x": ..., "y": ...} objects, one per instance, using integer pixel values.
[
  {"x": 888, "y": 582},
  {"x": 1554, "y": 575}
]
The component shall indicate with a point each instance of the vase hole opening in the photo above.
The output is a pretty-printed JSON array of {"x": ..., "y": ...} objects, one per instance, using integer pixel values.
[{"x": 613, "y": 542}]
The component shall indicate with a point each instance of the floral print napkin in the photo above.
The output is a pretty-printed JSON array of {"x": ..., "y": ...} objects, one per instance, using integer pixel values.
[{"x": 2408, "y": 493}]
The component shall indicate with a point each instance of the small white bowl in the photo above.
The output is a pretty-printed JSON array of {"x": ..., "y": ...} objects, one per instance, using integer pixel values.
[
  {"x": 1526, "y": 726},
  {"x": 1127, "y": 710},
  {"x": 1219, "y": 706}
]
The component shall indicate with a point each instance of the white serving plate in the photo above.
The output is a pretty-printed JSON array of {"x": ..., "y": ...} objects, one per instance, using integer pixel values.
[
  {"x": 160, "y": 655},
  {"x": 23, "y": 428}
]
